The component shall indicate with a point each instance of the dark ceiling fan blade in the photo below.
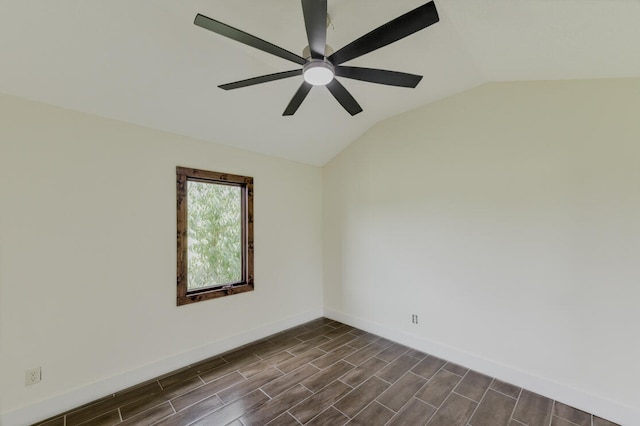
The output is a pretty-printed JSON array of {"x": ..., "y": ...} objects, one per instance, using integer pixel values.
[
  {"x": 388, "y": 33},
  {"x": 297, "y": 99},
  {"x": 261, "y": 79},
  {"x": 315, "y": 21},
  {"x": 372, "y": 75},
  {"x": 344, "y": 97},
  {"x": 246, "y": 38}
]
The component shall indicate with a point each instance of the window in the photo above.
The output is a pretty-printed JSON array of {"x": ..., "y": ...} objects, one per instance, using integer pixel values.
[{"x": 215, "y": 234}]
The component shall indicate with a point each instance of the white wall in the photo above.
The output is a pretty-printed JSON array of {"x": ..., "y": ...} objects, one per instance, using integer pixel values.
[
  {"x": 88, "y": 263},
  {"x": 508, "y": 219}
]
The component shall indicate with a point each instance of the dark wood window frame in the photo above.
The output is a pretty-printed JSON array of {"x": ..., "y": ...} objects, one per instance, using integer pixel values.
[{"x": 183, "y": 175}]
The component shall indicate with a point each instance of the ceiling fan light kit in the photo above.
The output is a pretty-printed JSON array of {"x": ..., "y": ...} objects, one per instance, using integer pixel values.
[
  {"x": 318, "y": 72},
  {"x": 322, "y": 65}
]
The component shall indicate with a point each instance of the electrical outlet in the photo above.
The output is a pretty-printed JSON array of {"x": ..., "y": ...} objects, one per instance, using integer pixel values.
[
  {"x": 414, "y": 319},
  {"x": 33, "y": 376}
]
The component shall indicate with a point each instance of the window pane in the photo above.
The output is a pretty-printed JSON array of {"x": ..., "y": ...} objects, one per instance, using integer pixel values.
[{"x": 214, "y": 230}]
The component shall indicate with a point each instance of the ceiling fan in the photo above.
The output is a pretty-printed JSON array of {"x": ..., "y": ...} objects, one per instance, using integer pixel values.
[{"x": 321, "y": 67}]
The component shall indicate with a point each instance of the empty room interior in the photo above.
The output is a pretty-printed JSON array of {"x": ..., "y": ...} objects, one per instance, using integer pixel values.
[{"x": 457, "y": 212}]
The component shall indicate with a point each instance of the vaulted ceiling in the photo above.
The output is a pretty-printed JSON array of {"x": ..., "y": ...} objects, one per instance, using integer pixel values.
[{"x": 145, "y": 62}]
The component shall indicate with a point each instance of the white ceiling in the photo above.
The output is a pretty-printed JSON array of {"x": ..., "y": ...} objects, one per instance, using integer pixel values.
[{"x": 144, "y": 61}]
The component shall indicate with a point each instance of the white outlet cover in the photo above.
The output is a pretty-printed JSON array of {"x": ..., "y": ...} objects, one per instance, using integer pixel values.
[{"x": 33, "y": 376}]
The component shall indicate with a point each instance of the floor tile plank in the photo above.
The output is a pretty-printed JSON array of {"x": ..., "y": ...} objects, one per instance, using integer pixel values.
[
  {"x": 189, "y": 398},
  {"x": 397, "y": 368},
  {"x": 136, "y": 407},
  {"x": 339, "y": 331},
  {"x": 150, "y": 416},
  {"x": 533, "y": 409},
  {"x": 248, "y": 350},
  {"x": 328, "y": 375},
  {"x": 58, "y": 421},
  {"x": 318, "y": 402},
  {"x": 315, "y": 333},
  {"x": 572, "y": 414},
  {"x": 276, "y": 406},
  {"x": 285, "y": 419},
  {"x": 506, "y": 388},
  {"x": 249, "y": 385},
  {"x": 361, "y": 396},
  {"x": 402, "y": 391},
  {"x": 287, "y": 381},
  {"x": 363, "y": 340},
  {"x": 361, "y": 355},
  {"x": 494, "y": 410},
  {"x": 337, "y": 342},
  {"x": 193, "y": 412},
  {"x": 192, "y": 371},
  {"x": 304, "y": 346},
  {"x": 455, "y": 411},
  {"x": 225, "y": 369},
  {"x": 297, "y": 361},
  {"x": 269, "y": 351},
  {"x": 373, "y": 415},
  {"x": 417, "y": 354},
  {"x": 232, "y": 411},
  {"x": 333, "y": 356},
  {"x": 557, "y": 421},
  {"x": 256, "y": 367},
  {"x": 363, "y": 372},
  {"x": 415, "y": 413},
  {"x": 429, "y": 366},
  {"x": 392, "y": 352},
  {"x": 438, "y": 388},
  {"x": 473, "y": 385},
  {"x": 107, "y": 419},
  {"x": 456, "y": 369},
  {"x": 289, "y": 334},
  {"x": 330, "y": 416},
  {"x": 597, "y": 421},
  {"x": 358, "y": 332}
]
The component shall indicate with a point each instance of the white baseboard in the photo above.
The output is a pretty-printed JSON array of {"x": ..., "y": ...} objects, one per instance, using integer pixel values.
[
  {"x": 68, "y": 400},
  {"x": 611, "y": 410}
]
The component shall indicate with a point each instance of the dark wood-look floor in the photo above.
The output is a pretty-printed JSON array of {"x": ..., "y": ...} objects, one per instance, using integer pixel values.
[{"x": 326, "y": 373}]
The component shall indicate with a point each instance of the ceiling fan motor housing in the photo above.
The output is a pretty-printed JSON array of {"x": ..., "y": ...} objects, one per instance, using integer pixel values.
[{"x": 306, "y": 52}]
